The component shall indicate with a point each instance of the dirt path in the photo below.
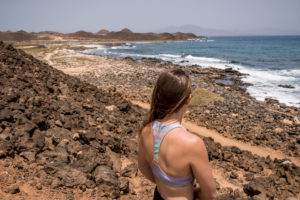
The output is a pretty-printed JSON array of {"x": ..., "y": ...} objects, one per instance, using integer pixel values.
[
  {"x": 202, "y": 131},
  {"x": 48, "y": 56}
]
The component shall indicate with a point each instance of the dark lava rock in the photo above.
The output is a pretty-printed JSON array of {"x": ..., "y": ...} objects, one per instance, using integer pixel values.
[
  {"x": 56, "y": 121},
  {"x": 104, "y": 174},
  {"x": 233, "y": 175},
  {"x": 124, "y": 185},
  {"x": 252, "y": 189},
  {"x": 282, "y": 182},
  {"x": 270, "y": 100},
  {"x": 14, "y": 189},
  {"x": 5, "y": 147},
  {"x": 130, "y": 170},
  {"x": 286, "y": 86}
]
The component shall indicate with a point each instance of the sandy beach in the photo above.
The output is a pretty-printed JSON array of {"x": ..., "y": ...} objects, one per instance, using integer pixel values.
[{"x": 253, "y": 146}]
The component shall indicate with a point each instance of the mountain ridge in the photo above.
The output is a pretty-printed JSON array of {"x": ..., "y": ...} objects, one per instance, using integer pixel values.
[{"x": 102, "y": 35}]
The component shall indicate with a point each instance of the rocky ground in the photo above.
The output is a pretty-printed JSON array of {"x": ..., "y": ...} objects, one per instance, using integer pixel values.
[
  {"x": 59, "y": 135},
  {"x": 239, "y": 116},
  {"x": 62, "y": 138}
]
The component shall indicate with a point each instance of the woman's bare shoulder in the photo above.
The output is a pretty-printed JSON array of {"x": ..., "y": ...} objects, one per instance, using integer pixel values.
[
  {"x": 146, "y": 130},
  {"x": 146, "y": 143},
  {"x": 196, "y": 146},
  {"x": 146, "y": 136},
  {"x": 191, "y": 141}
]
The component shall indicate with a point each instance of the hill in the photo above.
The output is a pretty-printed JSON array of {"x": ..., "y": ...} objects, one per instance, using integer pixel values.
[
  {"x": 102, "y": 35},
  {"x": 66, "y": 133}
]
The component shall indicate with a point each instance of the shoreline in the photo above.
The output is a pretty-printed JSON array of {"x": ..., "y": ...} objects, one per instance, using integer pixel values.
[
  {"x": 232, "y": 118},
  {"x": 236, "y": 93},
  {"x": 80, "y": 46},
  {"x": 282, "y": 92}
]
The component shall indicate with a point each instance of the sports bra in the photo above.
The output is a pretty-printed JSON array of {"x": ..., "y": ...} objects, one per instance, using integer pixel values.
[{"x": 160, "y": 130}]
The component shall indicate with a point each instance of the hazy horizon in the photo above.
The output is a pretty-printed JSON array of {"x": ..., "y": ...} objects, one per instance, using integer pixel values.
[{"x": 233, "y": 17}]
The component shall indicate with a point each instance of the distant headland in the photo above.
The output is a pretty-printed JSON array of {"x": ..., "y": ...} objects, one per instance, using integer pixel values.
[{"x": 102, "y": 35}]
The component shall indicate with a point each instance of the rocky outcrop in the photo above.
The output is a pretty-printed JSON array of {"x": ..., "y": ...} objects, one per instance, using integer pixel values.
[
  {"x": 263, "y": 178},
  {"x": 70, "y": 130}
]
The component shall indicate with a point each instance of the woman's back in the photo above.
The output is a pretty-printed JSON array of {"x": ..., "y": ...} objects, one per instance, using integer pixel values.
[{"x": 173, "y": 159}]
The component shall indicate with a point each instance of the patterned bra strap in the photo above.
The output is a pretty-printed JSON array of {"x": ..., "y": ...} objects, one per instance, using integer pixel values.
[
  {"x": 170, "y": 180},
  {"x": 159, "y": 131}
]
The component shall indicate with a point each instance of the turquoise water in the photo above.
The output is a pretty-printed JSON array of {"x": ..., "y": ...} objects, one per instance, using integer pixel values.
[{"x": 269, "y": 60}]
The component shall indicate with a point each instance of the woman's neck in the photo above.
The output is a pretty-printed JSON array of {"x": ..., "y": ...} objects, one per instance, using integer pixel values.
[{"x": 174, "y": 117}]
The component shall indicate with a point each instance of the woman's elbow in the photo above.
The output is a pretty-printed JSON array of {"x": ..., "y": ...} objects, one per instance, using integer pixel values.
[
  {"x": 209, "y": 192},
  {"x": 212, "y": 191},
  {"x": 141, "y": 167},
  {"x": 213, "y": 195}
]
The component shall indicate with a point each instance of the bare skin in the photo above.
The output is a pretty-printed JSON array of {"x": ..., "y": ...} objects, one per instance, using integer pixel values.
[{"x": 181, "y": 153}]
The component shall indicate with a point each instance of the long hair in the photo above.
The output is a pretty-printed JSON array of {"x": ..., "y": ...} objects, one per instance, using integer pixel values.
[{"x": 169, "y": 95}]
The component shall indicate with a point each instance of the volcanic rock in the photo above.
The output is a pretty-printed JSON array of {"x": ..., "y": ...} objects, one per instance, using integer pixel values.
[
  {"x": 252, "y": 190},
  {"x": 65, "y": 137},
  {"x": 14, "y": 189},
  {"x": 286, "y": 86}
]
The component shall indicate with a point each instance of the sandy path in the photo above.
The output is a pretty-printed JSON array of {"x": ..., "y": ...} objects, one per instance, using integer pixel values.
[
  {"x": 49, "y": 56},
  {"x": 202, "y": 131}
]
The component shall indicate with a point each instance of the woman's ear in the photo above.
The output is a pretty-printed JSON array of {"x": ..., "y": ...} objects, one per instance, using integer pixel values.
[{"x": 188, "y": 101}]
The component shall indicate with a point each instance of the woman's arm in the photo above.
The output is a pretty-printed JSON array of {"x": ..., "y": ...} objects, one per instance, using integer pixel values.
[
  {"x": 143, "y": 164},
  {"x": 202, "y": 171}
]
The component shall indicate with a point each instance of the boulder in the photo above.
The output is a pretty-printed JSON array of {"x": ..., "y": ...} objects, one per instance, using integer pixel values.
[
  {"x": 252, "y": 189},
  {"x": 105, "y": 175}
]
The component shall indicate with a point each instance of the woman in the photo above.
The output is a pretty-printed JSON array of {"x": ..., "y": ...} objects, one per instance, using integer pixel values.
[{"x": 169, "y": 155}]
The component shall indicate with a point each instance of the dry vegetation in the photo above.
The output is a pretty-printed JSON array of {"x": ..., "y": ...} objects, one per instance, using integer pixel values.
[{"x": 201, "y": 96}]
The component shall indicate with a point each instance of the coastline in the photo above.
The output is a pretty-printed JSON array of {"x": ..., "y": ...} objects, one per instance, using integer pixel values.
[
  {"x": 271, "y": 75},
  {"x": 133, "y": 79},
  {"x": 211, "y": 78}
]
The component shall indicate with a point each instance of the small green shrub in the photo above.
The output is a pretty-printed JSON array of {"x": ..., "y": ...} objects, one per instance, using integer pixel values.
[{"x": 201, "y": 96}]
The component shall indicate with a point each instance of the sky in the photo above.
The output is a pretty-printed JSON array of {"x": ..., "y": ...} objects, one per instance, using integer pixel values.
[{"x": 252, "y": 17}]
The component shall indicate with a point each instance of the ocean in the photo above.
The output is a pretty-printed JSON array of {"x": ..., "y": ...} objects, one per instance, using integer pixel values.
[{"x": 271, "y": 62}]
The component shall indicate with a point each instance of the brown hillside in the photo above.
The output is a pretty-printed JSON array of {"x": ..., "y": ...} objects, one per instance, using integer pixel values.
[
  {"x": 81, "y": 34},
  {"x": 102, "y": 32},
  {"x": 102, "y": 35},
  {"x": 17, "y": 36},
  {"x": 66, "y": 133}
]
